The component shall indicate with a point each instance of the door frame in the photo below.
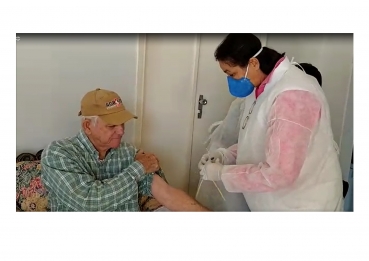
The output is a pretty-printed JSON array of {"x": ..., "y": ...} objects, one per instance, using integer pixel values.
[
  {"x": 140, "y": 89},
  {"x": 143, "y": 54},
  {"x": 193, "y": 105}
]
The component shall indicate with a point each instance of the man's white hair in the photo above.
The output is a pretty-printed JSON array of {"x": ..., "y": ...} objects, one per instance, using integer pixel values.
[{"x": 93, "y": 119}]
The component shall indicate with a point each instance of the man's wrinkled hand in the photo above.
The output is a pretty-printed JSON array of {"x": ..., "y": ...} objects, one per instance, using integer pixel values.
[{"x": 148, "y": 160}]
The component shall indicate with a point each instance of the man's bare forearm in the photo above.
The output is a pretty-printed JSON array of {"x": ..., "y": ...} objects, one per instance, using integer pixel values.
[
  {"x": 180, "y": 201},
  {"x": 172, "y": 198}
]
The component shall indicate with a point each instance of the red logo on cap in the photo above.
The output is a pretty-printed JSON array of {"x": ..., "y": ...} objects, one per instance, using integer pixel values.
[{"x": 116, "y": 101}]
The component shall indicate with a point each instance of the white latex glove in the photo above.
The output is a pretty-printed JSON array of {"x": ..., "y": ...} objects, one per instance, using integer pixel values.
[
  {"x": 214, "y": 156},
  {"x": 212, "y": 171}
]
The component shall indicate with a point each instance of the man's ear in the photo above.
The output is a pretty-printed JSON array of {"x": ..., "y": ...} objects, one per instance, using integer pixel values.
[{"x": 86, "y": 126}]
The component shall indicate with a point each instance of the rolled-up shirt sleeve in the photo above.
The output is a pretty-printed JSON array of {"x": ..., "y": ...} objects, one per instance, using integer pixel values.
[{"x": 291, "y": 122}]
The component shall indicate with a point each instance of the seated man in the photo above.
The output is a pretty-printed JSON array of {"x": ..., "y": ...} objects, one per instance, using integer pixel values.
[{"x": 95, "y": 171}]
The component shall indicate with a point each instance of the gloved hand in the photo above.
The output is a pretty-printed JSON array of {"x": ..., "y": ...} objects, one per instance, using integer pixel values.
[
  {"x": 212, "y": 171},
  {"x": 213, "y": 157}
]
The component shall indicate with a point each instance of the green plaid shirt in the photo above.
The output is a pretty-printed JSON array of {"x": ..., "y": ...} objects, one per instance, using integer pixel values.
[{"x": 77, "y": 180}]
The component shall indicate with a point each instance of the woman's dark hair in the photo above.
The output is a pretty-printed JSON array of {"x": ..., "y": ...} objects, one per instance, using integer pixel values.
[
  {"x": 238, "y": 49},
  {"x": 311, "y": 70}
]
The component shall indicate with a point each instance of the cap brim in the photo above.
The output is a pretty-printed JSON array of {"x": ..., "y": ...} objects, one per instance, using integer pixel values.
[{"x": 118, "y": 118}]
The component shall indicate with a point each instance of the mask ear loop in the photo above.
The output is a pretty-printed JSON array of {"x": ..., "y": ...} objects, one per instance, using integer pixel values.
[
  {"x": 247, "y": 69},
  {"x": 295, "y": 63},
  {"x": 261, "y": 49}
]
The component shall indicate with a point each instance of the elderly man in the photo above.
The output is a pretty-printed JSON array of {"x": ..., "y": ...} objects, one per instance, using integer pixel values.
[{"x": 95, "y": 171}]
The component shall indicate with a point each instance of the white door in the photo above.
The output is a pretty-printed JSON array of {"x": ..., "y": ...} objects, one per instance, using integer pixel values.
[
  {"x": 168, "y": 97},
  {"x": 212, "y": 84}
]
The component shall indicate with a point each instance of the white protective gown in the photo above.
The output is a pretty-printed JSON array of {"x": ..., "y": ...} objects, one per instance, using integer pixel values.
[{"x": 286, "y": 158}]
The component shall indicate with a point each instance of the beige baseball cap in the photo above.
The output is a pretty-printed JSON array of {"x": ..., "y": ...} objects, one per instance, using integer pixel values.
[{"x": 107, "y": 105}]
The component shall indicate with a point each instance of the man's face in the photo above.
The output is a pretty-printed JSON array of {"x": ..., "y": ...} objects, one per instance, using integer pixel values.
[{"x": 104, "y": 135}]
